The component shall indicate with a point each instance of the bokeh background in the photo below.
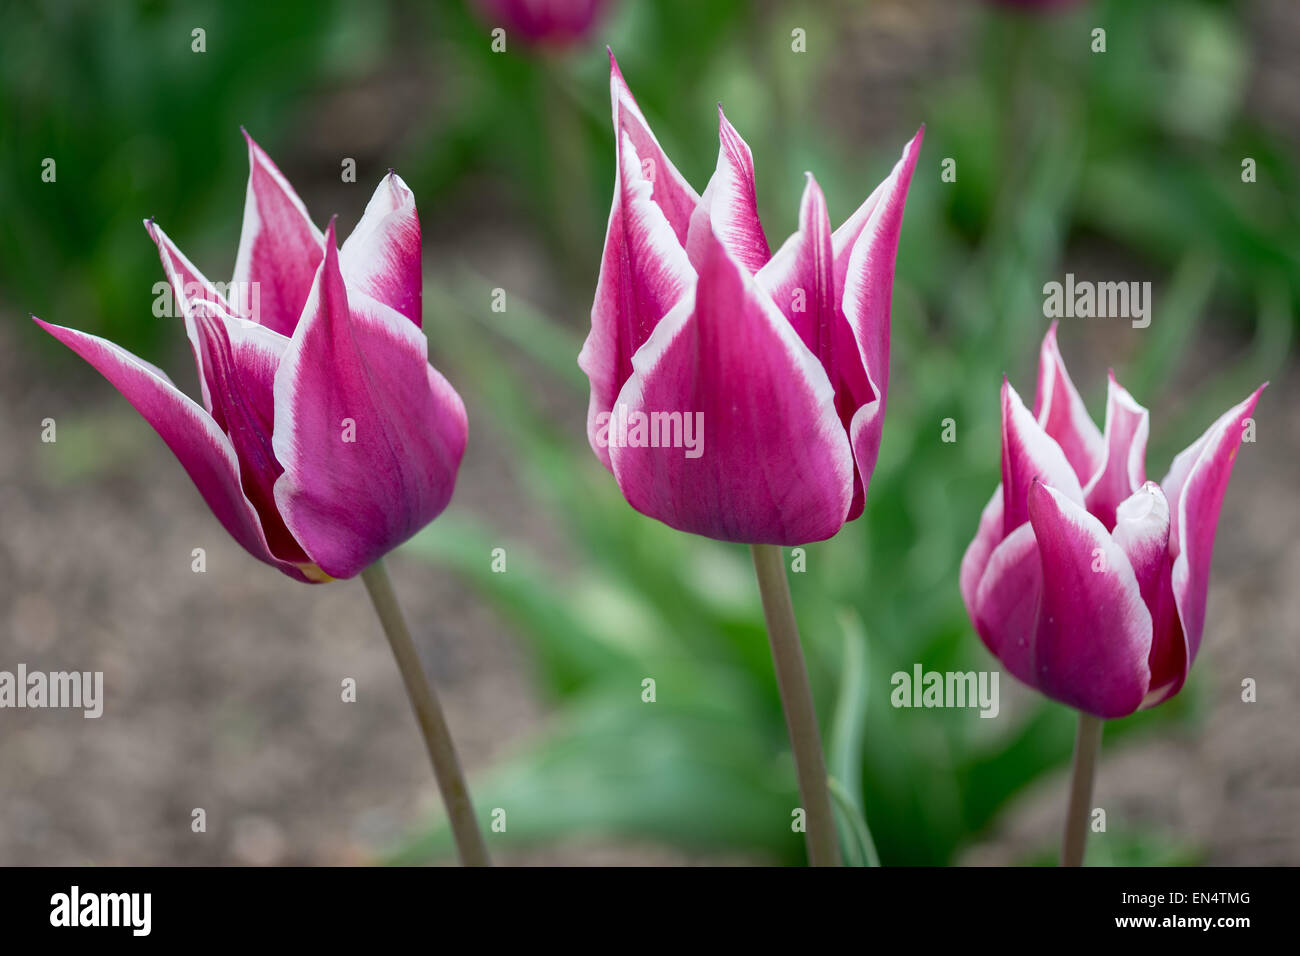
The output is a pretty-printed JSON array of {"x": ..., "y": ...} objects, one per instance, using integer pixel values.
[{"x": 223, "y": 688}]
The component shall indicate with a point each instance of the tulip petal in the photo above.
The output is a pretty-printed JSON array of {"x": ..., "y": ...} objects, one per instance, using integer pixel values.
[
  {"x": 775, "y": 465},
  {"x": 1029, "y": 454},
  {"x": 1094, "y": 631},
  {"x": 279, "y": 248},
  {"x": 644, "y": 273},
  {"x": 187, "y": 283},
  {"x": 1006, "y": 602},
  {"x": 241, "y": 359},
  {"x": 729, "y": 207},
  {"x": 672, "y": 194},
  {"x": 382, "y": 255},
  {"x": 369, "y": 434},
  {"x": 1142, "y": 525},
  {"x": 800, "y": 279},
  {"x": 193, "y": 437},
  {"x": 976, "y": 559},
  {"x": 1123, "y": 466},
  {"x": 1195, "y": 486},
  {"x": 1061, "y": 411},
  {"x": 868, "y": 285}
]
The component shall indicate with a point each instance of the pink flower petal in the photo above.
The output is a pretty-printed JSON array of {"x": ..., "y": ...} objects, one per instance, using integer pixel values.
[
  {"x": 976, "y": 559},
  {"x": 672, "y": 194},
  {"x": 1093, "y": 640},
  {"x": 193, "y": 437},
  {"x": 279, "y": 248},
  {"x": 775, "y": 466},
  {"x": 187, "y": 283},
  {"x": 1142, "y": 528},
  {"x": 1195, "y": 486},
  {"x": 1029, "y": 454},
  {"x": 1005, "y": 602},
  {"x": 800, "y": 279},
  {"x": 369, "y": 434},
  {"x": 1123, "y": 466},
  {"x": 644, "y": 273},
  {"x": 868, "y": 285},
  {"x": 1061, "y": 411},
  {"x": 382, "y": 255},
  {"x": 729, "y": 207}
]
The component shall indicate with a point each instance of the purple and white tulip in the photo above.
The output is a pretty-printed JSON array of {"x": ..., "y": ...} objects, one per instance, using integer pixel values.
[
  {"x": 324, "y": 439},
  {"x": 546, "y": 23},
  {"x": 1085, "y": 579},
  {"x": 782, "y": 358}
]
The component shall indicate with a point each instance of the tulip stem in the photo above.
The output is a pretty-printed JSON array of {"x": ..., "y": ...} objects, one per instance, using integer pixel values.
[
  {"x": 428, "y": 713},
  {"x": 796, "y": 700},
  {"x": 1087, "y": 744}
]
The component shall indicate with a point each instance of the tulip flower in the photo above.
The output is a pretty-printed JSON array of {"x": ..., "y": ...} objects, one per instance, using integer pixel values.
[
  {"x": 738, "y": 393},
  {"x": 1087, "y": 580},
  {"x": 553, "y": 23},
  {"x": 782, "y": 360},
  {"x": 324, "y": 438}
]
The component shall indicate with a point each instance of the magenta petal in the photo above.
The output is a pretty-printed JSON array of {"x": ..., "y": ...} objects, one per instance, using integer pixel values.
[
  {"x": 644, "y": 273},
  {"x": 240, "y": 359},
  {"x": 382, "y": 255},
  {"x": 1195, "y": 486},
  {"x": 1005, "y": 602},
  {"x": 1123, "y": 467},
  {"x": 729, "y": 207},
  {"x": 188, "y": 283},
  {"x": 1029, "y": 454},
  {"x": 1142, "y": 529},
  {"x": 775, "y": 465},
  {"x": 193, "y": 437},
  {"x": 1094, "y": 631},
  {"x": 846, "y": 236},
  {"x": 279, "y": 248},
  {"x": 369, "y": 434},
  {"x": 976, "y": 559},
  {"x": 800, "y": 279},
  {"x": 1061, "y": 411},
  {"x": 672, "y": 194},
  {"x": 868, "y": 285}
]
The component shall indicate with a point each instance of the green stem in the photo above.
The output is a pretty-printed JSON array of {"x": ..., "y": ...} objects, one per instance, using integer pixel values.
[
  {"x": 428, "y": 713},
  {"x": 796, "y": 698},
  {"x": 1087, "y": 744}
]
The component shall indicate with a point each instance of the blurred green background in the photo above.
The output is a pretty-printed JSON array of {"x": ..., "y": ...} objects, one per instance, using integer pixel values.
[{"x": 1122, "y": 165}]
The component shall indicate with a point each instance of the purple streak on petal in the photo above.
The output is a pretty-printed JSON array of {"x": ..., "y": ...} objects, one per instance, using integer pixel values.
[
  {"x": 1195, "y": 486},
  {"x": 776, "y": 467},
  {"x": 1123, "y": 467},
  {"x": 1029, "y": 454},
  {"x": 1094, "y": 631},
  {"x": 190, "y": 432},
  {"x": 1061, "y": 411},
  {"x": 354, "y": 358},
  {"x": 382, "y": 255},
  {"x": 279, "y": 248}
]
